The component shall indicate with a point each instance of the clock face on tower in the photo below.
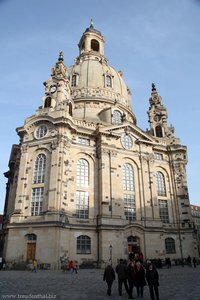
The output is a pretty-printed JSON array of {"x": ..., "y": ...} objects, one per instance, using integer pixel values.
[
  {"x": 157, "y": 117},
  {"x": 53, "y": 88}
]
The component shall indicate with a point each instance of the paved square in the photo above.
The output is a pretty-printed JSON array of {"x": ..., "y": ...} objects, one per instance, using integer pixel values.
[{"x": 177, "y": 283}]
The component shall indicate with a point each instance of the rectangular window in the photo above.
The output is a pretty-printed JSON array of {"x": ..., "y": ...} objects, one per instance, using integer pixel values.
[
  {"x": 158, "y": 156},
  {"x": 83, "y": 141},
  {"x": 129, "y": 207},
  {"x": 37, "y": 200},
  {"x": 83, "y": 245},
  {"x": 82, "y": 205},
  {"x": 163, "y": 209}
]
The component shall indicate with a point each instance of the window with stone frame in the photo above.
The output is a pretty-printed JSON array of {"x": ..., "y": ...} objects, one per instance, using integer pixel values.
[
  {"x": 83, "y": 141},
  {"x": 127, "y": 141},
  {"x": 47, "y": 102},
  {"x": 74, "y": 80},
  {"x": 129, "y": 192},
  {"x": 158, "y": 131},
  {"x": 163, "y": 210},
  {"x": 161, "y": 189},
  {"x": 108, "y": 81},
  {"x": 83, "y": 244},
  {"x": 116, "y": 117},
  {"x": 40, "y": 168},
  {"x": 170, "y": 246},
  {"x": 82, "y": 205},
  {"x": 82, "y": 189},
  {"x": 41, "y": 131},
  {"x": 31, "y": 237},
  {"x": 158, "y": 156},
  {"x": 82, "y": 175},
  {"x": 37, "y": 201},
  {"x": 129, "y": 207},
  {"x": 94, "y": 45}
]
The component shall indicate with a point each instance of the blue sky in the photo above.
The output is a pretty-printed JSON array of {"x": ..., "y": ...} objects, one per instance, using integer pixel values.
[{"x": 150, "y": 41}]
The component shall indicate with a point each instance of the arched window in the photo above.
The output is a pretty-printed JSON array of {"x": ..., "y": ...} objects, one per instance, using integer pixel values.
[
  {"x": 82, "y": 195},
  {"x": 170, "y": 246},
  {"x": 40, "y": 166},
  {"x": 128, "y": 177},
  {"x": 74, "y": 81},
  {"x": 31, "y": 237},
  {"x": 41, "y": 131},
  {"x": 108, "y": 81},
  {"x": 94, "y": 45},
  {"x": 161, "y": 190},
  {"x": 83, "y": 244},
  {"x": 47, "y": 102},
  {"x": 159, "y": 131},
  {"x": 116, "y": 117},
  {"x": 82, "y": 177},
  {"x": 132, "y": 239},
  {"x": 129, "y": 195}
]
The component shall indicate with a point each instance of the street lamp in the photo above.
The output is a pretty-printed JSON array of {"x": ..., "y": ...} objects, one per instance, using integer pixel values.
[{"x": 110, "y": 254}]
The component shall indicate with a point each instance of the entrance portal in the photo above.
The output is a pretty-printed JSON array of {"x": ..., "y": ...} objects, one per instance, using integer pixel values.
[
  {"x": 133, "y": 246},
  {"x": 31, "y": 251}
]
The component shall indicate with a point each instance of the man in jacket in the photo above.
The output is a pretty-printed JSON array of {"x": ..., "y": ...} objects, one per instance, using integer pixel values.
[
  {"x": 109, "y": 277},
  {"x": 121, "y": 270}
]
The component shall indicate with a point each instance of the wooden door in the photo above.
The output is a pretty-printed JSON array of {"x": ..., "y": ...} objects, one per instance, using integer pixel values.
[{"x": 31, "y": 247}]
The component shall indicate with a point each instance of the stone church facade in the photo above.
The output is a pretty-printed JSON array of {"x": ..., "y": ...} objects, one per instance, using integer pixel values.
[{"x": 85, "y": 182}]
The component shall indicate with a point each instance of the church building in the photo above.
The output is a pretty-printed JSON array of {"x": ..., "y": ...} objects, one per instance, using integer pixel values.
[{"x": 85, "y": 182}]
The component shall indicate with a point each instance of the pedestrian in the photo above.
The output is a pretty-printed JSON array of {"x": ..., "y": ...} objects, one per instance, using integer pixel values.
[
  {"x": 168, "y": 262},
  {"x": 131, "y": 278},
  {"x": 194, "y": 262},
  {"x": 141, "y": 257},
  {"x": 121, "y": 270},
  {"x": 34, "y": 265},
  {"x": 140, "y": 281},
  {"x": 71, "y": 268},
  {"x": 109, "y": 277},
  {"x": 189, "y": 261},
  {"x": 152, "y": 278},
  {"x": 75, "y": 267},
  {"x": 3, "y": 264}
]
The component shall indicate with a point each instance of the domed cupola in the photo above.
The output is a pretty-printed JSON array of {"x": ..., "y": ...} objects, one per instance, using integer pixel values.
[
  {"x": 97, "y": 88},
  {"x": 92, "y": 42}
]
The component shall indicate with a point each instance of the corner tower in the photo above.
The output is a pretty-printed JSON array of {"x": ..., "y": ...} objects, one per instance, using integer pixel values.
[{"x": 158, "y": 118}]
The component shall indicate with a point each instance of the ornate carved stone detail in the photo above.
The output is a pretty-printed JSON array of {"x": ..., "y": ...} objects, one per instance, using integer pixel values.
[
  {"x": 24, "y": 148},
  {"x": 98, "y": 93}
]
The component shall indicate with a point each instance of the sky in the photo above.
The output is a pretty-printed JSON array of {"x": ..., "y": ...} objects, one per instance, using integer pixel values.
[{"x": 149, "y": 41}]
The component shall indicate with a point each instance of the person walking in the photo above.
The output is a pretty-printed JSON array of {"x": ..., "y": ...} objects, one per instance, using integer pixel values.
[
  {"x": 121, "y": 270},
  {"x": 109, "y": 277},
  {"x": 75, "y": 267},
  {"x": 152, "y": 278},
  {"x": 34, "y": 265},
  {"x": 140, "y": 281},
  {"x": 71, "y": 267},
  {"x": 131, "y": 278},
  {"x": 194, "y": 262}
]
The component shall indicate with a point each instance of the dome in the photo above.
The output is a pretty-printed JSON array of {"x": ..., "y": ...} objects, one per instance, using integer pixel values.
[
  {"x": 97, "y": 87},
  {"x": 95, "y": 78}
]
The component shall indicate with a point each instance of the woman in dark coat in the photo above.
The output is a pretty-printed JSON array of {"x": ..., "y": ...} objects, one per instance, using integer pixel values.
[
  {"x": 140, "y": 281},
  {"x": 131, "y": 278},
  {"x": 109, "y": 277},
  {"x": 152, "y": 278}
]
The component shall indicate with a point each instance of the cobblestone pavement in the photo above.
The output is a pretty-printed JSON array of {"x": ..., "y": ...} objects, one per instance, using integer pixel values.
[{"x": 177, "y": 283}]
